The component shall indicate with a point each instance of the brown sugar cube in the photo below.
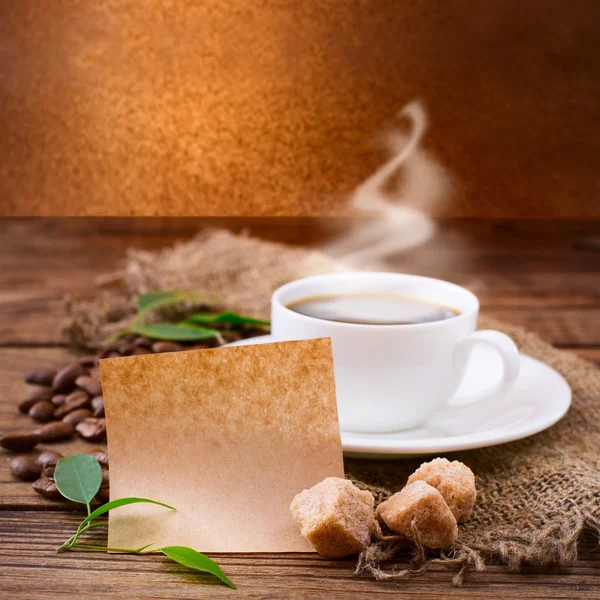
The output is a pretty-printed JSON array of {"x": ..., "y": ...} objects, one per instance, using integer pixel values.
[
  {"x": 335, "y": 517},
  {"x": 454, "y": 481},
  {"x": 420, "y": 511}
]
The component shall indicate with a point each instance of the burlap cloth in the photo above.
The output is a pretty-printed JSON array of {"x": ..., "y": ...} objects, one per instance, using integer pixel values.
[{"x": 535, "y": 496}]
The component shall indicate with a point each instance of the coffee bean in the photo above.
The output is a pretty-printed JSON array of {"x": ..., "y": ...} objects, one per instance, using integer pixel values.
[
  {"x": 103, "y": 494},
  {"x": 41, "y": 377},
  {"x": 87, "y": 361},
  {"x": 58, "y": 399},
  {"x": 77, "y": 415},
  {"x": 141, "y": 351},
  {"x": 231, "y": 336},
  {"x": 46, "y": 486},
  {"x": 25, "y": 468},
  {"x": 165, "y": 347},
  {"x": 109, "y": 346},
  {"x": 56, "y": 431},
  {"x": 142, "y": 342},
  {"x": 95, "y": 373},
  {"x": 64, "y": 381},
  {"x": 99, "y": 455},
  {"x": 25, "y": 405},
  {"x": 20, "y": 441},
  {"x": 33, "y": 398},
  {"x": 42, "y": 411},
  {"x": 92, "y": 429},
  {"x": 126, "y": 349},
  {"x": 109, "y": 350},
  {"x": 98, "y": 406},
  {"x": 76, "y": 395},
  {"x": 49, "y": 458},
  {"x": 78, "y": 399},
  {"x": 199, "y": 347},
  {"x": 89, "y": 385}
]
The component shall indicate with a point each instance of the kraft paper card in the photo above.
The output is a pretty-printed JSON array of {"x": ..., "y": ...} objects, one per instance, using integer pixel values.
[{"x": 227, "y": 437}]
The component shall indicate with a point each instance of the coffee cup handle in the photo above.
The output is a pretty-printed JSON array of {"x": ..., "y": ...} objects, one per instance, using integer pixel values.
[{"x": 509, "y": 354}]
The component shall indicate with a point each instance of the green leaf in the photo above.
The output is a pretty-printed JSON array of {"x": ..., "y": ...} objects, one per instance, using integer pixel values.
[
  {"x": 226, "y": 317},
  {"x": 145, "y": 547},
  {"x": 177, "y": 332},
  {"x": 151, "y": 299},
  {"x": 194, "y": 560},
  {"x": 78, "y": 477},
  {"x": 154, "y": 300},
  {"x": 115, "y": 504}
]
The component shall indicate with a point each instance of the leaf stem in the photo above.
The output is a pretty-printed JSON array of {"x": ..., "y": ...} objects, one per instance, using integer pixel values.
[
  {"x": 101, "y": 524},
  {"x": 111, "y": 549},
  {"x": 80, "y": 530}
]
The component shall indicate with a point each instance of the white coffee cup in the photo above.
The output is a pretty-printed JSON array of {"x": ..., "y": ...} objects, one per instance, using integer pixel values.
[{"x": 394, "y": 377}]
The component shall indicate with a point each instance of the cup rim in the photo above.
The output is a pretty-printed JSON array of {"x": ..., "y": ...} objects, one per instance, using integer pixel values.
[{"x": 466, "y": 314}]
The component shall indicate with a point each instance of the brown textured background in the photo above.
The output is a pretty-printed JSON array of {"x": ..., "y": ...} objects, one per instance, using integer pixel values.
[{"x": 271, "y": 107}]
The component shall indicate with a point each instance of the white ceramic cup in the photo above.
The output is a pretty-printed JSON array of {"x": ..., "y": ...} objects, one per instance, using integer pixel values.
[{"x": 394, "y": 377}]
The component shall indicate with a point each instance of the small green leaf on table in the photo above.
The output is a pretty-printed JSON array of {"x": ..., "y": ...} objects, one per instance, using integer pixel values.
[
  {"x": 161, "y": 299},
  {"x": 226, "y": 317},
  {"x": 176, "y": 332},
  {"x": 78, "y": 477},
  {"x": 194, "y": 560},
  {"x": 156, "y": 299},
  {"x": 115, "y": 504}
]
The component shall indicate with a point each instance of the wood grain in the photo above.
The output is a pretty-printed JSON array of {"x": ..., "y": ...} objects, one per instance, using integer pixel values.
[
  {"x": 541, "y": 274},
  {"x": 14, "y": 363},
  {"x": 591, "y": 354},
  {"x": 30, "y": 565}
]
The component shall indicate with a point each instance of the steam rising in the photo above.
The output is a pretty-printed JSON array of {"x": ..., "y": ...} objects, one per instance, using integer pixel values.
[{"x": 399, "y": 220}]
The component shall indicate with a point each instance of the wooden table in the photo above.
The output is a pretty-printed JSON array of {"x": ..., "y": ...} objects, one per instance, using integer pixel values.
[{"x": 543, "y": 275}]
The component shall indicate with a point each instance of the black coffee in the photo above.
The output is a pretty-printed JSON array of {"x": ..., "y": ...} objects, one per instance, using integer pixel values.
[{"x": 372, "y": 309}]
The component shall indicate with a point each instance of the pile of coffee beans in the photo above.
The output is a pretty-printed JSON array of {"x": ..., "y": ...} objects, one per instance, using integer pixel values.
[
  {"x": 68, "y": 402},
  {"x": 41, "y": 469}
]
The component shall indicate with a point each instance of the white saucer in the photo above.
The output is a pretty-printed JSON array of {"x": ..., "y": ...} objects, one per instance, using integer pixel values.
[{"x": 539, "y": 399}]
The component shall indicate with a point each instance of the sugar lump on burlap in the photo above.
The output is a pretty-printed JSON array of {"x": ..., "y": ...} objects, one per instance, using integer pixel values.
[
  {"x": 336, "y": 517},
  {"x": 536, "y": 496},
  {"x": 419, "y": 513},
  {"x": 453, "y": 480}
]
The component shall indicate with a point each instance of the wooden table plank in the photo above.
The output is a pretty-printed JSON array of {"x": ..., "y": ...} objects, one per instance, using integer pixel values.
[
  {"x": 562, "y": 327},
  {"x": 14, "y": 363},
  {"x": 38, "y": 320},
  {"x": 28, "y": 539},
  {"x": 28, "y": 561},
  {"x": 591, "y": 354},
  {"x": 541, "y": 275}
]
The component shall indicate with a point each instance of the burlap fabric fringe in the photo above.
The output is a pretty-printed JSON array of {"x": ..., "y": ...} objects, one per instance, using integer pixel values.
[
  {"x": 240, "y": 271},
  {"x": 536, "y": 496}
]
